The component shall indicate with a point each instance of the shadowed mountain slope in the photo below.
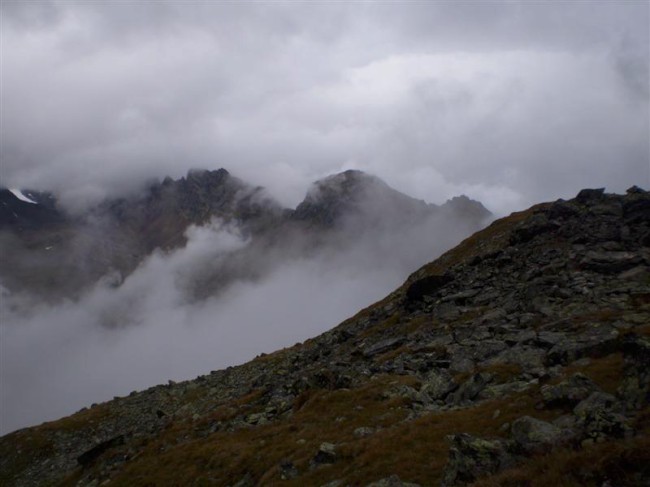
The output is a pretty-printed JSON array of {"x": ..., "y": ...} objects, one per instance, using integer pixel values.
[{"x": 519, "y": 357}]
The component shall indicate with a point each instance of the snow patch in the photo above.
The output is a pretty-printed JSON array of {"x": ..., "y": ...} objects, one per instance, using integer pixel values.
[{"x": 19, "y": 194}]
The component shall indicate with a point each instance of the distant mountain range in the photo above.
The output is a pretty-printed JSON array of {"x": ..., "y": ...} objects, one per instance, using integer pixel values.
[{"x": 54, "y": 254}]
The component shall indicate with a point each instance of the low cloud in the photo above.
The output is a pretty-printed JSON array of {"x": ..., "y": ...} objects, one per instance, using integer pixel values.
[
  {"x": 152, "y": 328},
  {"x": 512, "y": 102}
]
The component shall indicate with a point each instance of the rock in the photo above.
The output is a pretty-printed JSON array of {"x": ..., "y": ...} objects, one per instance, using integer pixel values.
[
  {"x": 446, "y": 311},
  {"x": 595, "y": 342},
  {"x": 494, "y": 315},
  {"x": 590, "y": 195},
  {"x": 326, "y": 454},
  {"x": 535, "y": 436},
  {"x": 562, "y": 210},
  {"x": 601, "y": 415},
  {"x": 470, "y": 389},
  {"x": 521, "y": 337},
  {"x": 471, "y": 458},
  {"x": 87, "y": 458},
  {"x": 383, "y": 346},
  {"x": 461, "y": 360},
  {"x": 461, "y": 298},
  {"x": 287, "y": 470},
  {"x": 568, "y": 393},
  {"x": 502, "y": 390},
  {"x": 549, "y": 339},
  {"x": 426, "y": 286},
  {"x": 527, "y": 357},
  {"x": 634, "y": 190},
  {"x": 363, "y": 432},
  {"x": 634, "y": 389},
  {"x": 527, "y": 230},
  {"x": 438, "y": 384},
  {"x": 610, "y": 262},
  {"x": 636, "y": 209},
  {"x": 256, "y": 418},
  {"x": 484, "y": 349},
  {"x": 392, "y": 481}
]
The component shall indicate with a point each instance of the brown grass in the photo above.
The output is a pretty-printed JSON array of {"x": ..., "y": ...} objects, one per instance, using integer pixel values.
[{"x": 415, "y": 450}]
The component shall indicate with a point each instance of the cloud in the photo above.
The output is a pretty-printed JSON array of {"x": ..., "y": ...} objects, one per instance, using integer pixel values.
[
  {"x": 152, "y": 328},
  {"x": 509, "y": 102},
  {"x": 532, "y": 99}
]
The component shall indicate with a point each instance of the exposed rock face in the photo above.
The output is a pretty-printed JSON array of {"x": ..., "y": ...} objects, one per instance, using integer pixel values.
[{"x": 527, "y": 347}]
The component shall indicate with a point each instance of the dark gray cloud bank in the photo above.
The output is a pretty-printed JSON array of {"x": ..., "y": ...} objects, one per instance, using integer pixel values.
[{"x": 508, "y": 102}]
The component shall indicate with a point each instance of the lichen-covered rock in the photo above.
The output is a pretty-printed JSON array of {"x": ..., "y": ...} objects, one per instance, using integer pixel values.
[
  {"x": 438, "y": 384},
  {"x": 469, "y": 389},
  {"x": 536, "y": 436},
  {"x": 569, "y": 392},
  {"x": 471, "y": 458},
  {"x": 601, "y": 415},
  {"x": 594, "y": 342}
]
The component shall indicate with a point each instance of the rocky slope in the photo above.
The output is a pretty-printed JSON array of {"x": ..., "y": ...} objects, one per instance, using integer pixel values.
[
  {"x": 520, "y": 357},
  {"x": 57, "y": 255}
]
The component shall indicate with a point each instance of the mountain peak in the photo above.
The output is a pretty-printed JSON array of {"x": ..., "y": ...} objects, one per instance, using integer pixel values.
[
  {"x": 467, "y": 207},
  {"x": 354, "y": 192}
]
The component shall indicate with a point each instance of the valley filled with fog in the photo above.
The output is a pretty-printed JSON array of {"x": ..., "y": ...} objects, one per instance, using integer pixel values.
[{"x": 167, "y": 320}]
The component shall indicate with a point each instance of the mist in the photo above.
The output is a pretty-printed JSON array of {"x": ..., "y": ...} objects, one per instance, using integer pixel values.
[
  {"x": 509, "y": 102},
  {"x": 152, "y": 327}
]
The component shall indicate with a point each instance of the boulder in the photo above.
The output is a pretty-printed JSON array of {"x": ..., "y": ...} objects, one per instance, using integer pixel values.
[
  {"x": 590, "y": 195},
  {"x": 471, "y": 457},
  {"x": 438, "y": 384},
  {"x": 601, "y": 416},
  {"x": 569, "y": 392},
  {"x": 535, "y": 225},
  {"x": 594, "y": 342},
  {"x": 383, "y": 346},
  {"x": 326, "y": 454},
  {"x": 535, "y": 436},
  {"x": 470, "y": 389},
  {"x": 612, "y": 262},
  {"x": 426, "y": 286}
]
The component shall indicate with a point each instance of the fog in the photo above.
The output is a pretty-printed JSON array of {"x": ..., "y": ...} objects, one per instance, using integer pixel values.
[
  {"x": 152, "y": 327},
  {"x": 509, "y": 102}
]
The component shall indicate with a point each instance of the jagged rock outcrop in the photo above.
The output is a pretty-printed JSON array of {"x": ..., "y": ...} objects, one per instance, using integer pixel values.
[{"x": 531, "y": 353}]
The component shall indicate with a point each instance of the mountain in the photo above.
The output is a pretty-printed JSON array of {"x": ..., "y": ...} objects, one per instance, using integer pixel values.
[
  {"x": 519, "y": 357},
  {"x": 56, "y": 255}
]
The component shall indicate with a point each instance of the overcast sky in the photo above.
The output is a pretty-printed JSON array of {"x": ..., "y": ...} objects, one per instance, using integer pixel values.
[{"x": 509, "y": 102}]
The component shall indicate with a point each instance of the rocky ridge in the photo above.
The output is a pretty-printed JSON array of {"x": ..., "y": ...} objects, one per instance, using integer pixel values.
[{"x": 520, "y": 357}]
